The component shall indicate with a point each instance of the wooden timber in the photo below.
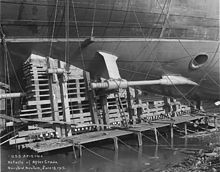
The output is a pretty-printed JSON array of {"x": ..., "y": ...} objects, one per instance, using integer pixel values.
[{"x": 50, "y": 145}]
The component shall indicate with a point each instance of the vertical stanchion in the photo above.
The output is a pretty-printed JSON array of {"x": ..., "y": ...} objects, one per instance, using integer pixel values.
[
  {"x": 139, "y": 113},
  {"x": 185, "y": 128},
  {"x": 186, "y": 142},
  {"x": 139, "y": 134},
  {"x": 74, "y": 151},
  {"x": 92, "y": 100},
  {"x": 80, "y": 150},
  {"x": 215, "y": 121},
  {"x": 65, "y": 100},
  {"x": 115, "y": 139},
  {"x": 156, "y": 136},
  {"x": 140, "y": 155},
  {"x": 105, "y": 110},
  {"x": 171, "y": 131},
  {"x": 171, "y": 135},
  {"x": 116, "y": 156},
  {"x": 156, "y": 151},
  {"x": 129, "y": 104}
]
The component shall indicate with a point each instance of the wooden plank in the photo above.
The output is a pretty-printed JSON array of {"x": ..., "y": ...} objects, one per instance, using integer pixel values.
[
  {"x": 46, "y": 121},
  {"x": 35, "y": 132},
  {"x": 48, "y": 145},
  {"x": 3, "y": 116},
  {"x": 65, "y": 102},
  {"x": 37, "y": 95}
]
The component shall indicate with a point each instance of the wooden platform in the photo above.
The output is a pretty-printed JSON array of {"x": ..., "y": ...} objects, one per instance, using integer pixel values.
[
  {"x": 55, "y": 144},
  {"x": 97, "y": 136},
  {"x": 163, "y": 123}
]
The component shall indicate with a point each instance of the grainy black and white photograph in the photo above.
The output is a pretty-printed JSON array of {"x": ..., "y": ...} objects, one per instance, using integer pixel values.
[{"x": 109, "y": 86}]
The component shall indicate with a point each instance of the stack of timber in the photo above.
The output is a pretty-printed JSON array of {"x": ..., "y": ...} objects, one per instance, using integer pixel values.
[
  {"x": 46, "y": 97},
  {"x": 156, "y": 107},
  {"x": 39, "y": 105}
]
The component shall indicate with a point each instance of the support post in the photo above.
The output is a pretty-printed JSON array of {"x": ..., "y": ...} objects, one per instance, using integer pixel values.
[
  {"x": 185, "y": 128},
  {"x": 139, "y": 134},
  {"x": 37, "y": 92},
  {"x": 54, "y": 96},
  {"x": 137, "y": 97},
  {"x": 65, "y": 101},
  {"x": 186, "y": 142},
  {"x": 156, "y": 136},
  {"x": 129, "y": 104},
  {"x": 167, "y": 106},
  {"x": 171, "y": 134},
  {"x": 215, "y": 121},
  {"x": 105, "y": 114},
  {"x": 74, "y": 151},
  {"x": 171, "y": 131},
  {"x": 115, "y": 139},
  {"x": 156, "y": 151},
  {"x": 140, "y": 156},
  {"x": 116, "y": 157},
  {"x": 80, "y": 150},
  {"x": 139, "y": 113},
  {"x": 91, "y": 95}
]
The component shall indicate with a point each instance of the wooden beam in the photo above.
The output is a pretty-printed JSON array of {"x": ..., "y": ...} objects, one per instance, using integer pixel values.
[
  {"x": 185, "y": 128},
  {"x": 171, "y": 134},
  {"x": 115, "y": 139},
  {"x": 129, "y": 104},
  {"x": 54, "y": 94},
  {"x": 171, "y": 131},
  {"x": 91, "y": 96},
  {"x": 139, "y": 134},
  {"x": 37, "y": 92},
  {"x": 65, "y": 100},
  {"x": 80, "y": 150},
  {"x": 8, "y": 140},
  {"x": 215, "y": 121},
  {"x": 105, "y": 109},
  {"x": 44, "y": 121},
  {"x": 74, "y": 151},
  {"x": 116, "y": 156},
  {"x": 139, "y": 113},
  {"x": 137, "y": 97},
  {"x": 156, "y": 136},
  {"x": 3, "y": 116},
  {"x": 11, "y": 95}
]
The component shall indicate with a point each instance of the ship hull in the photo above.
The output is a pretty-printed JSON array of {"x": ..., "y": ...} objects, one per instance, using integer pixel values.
[
  {"x": 141, "y": 59},
  {"x": 151, "y": 38}
]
